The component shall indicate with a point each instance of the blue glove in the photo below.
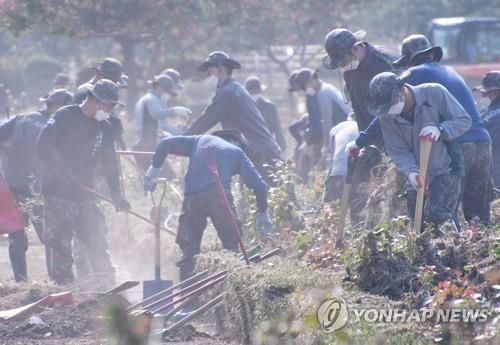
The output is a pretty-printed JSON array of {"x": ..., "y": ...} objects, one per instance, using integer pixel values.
[
  {"x": 150, "y": 179},
  {"x": 263, "y": 223}
]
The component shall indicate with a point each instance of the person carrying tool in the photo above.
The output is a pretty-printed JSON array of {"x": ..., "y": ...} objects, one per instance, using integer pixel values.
[
  {"x": 408, "y": 114},
  {"x": 150, "y": 110},
  {"x": 422, "y": 61},
  {"x": 201, "y": 198},
  {"x": 233, "y": 107},
  {"x": 268, "y": 110},
  {"x": 490, "y": 88},
  {"x": 22, "y": 171},
  {"x": 340, "y": 136},
  {"x": 73, "y": 142},
  {"x": 359, "y": 61}
]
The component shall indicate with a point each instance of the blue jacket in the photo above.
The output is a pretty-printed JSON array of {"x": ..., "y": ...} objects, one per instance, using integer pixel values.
[
  {"x": 21, "y": 133},
  {"x": 230, "y": 159},
  {"x": 431, "y": 72}
]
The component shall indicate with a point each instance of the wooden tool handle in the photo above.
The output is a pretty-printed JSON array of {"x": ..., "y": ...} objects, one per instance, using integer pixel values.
[{"x": 425, "y": 154}]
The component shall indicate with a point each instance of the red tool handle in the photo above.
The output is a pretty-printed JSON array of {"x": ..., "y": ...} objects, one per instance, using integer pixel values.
[{"x": 212, "y": 167}]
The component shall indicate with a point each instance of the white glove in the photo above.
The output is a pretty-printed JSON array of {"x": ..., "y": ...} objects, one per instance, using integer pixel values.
[
  {"x": 414, "y": 180},
  {"x": 182, "y": 111},
  {"x": 352, "y": 149},
  {"x": 430, "y": 132}
]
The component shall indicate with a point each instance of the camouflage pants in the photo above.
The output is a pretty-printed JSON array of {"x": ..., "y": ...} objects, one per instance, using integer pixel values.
[
  {"x": 368, "y": 159},
  {"x": 196, "y": 209},
  {"x": 477, "y": 186},
  {"x": 441, "y": 203},
  {"x": 66, "y": 220}
]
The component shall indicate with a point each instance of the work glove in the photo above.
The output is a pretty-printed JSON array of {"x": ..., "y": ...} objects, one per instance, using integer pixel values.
[
  {"x": 352, "y": 148},
  {"x": 150, "y": 179},
  {"x": 430, "y": 133},
  {"x": 121, "y": 204},
  {"x": 414, "y": 179},
  {"x": 263, "y": 223},
  {"x": 182, "y": 111}
]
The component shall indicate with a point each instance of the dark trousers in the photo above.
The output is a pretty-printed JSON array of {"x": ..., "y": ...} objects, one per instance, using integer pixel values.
[
  {"x": 266, "y": 164},
  {"x": 441, "y": 203},
  {"x": 196, "y": 209},
  {"x": 65, "y": 220},
  {"x": 368, "y": 159},
  {"x": 18, "y": 241},
  {"x": 477, "y": 185}
]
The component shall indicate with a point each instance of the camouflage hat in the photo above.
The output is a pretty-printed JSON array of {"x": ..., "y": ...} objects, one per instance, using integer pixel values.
[
  {"x": 292, "y": 82},
  {"x": 414, "y": 46},
  {"x": 253, "y": 85},
  {"x": 338, "y": 43},
  {"x": 59, "y": 97},
  {"x": 106, "y": 91},
  {"x": 175, "y": 75},
  {"x": 490, "y": 82},
  {"x": 167, "y": 82},
  {"x": 384, "y": 89},
  {"x": 112, "y": 69},
  {"x": 217, "y": 59},
  {"x": 61, "y": 79}
]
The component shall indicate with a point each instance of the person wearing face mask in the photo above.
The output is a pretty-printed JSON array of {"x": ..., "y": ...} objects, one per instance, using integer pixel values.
[
  {"x": 268, "y": 110},
  {"x": 233, "y": 108},
  {"x": 73, "y": 142},
  {"x": 422, "y": 61},
  {"x": 22, "y": 170},
  {"x": 358, "y": 62},
  {"x": 150, "y": 110},
  {"x": 490, "y": 88},
  {"x": 409, "y": 114}
]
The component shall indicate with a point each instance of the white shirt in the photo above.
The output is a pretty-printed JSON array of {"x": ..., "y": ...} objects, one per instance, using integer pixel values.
[{"x": 340, "y": 136}]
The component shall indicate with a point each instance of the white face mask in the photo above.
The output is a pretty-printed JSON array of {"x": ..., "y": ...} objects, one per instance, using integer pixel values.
[
  {"x": 310, "y": 91},
  {"x": 255, "y": 97},
  {"x": 212, "y": 81},
  {"x": 396, "y": 109},
  {"x": 350, "y": 67},
  {"x": 165, "y": 97},
  {"x": 101, "y": 115}
]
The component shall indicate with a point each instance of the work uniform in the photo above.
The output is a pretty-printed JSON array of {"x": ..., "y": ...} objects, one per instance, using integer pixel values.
[
  {"x": 491, "y": 120},
  {"x": 270, "y": 114},
  {"x": 70, "y": 146},
  {"x": 475, "y": 144},
  {"x": 377, "y": 60},
  {"x": 201, "y": 199},
  {"x": 233, "y": 107},
  {"x": 434, "y": 105},
  {"x": 22, "y": 173}
]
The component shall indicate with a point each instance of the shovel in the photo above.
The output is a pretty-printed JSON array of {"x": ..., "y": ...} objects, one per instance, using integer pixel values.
[
  {"x": 212, "y": 167},
  {"x": 152, "y": 287},
  {"x": 344, "y": 202},
  {"x": 425, "y": 153}
]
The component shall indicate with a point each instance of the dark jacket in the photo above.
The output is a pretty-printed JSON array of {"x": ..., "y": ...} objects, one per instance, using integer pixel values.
[
  {"x": 270, "y": 113},
  {"x": 491, "y": 120},
  {"x": 233, "y": 107},
  {"x": 230, "y": 159},
  {"x": 377, "y": 60},
  {"x": 70, "y": 146},
  {"x": 22, "y": 168}
]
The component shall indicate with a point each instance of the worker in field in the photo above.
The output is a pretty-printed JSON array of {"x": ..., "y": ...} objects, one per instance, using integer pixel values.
[
  {"x": 268, "y": 110},
  {"x": 150, "y": 110},
  {"x": 201, "y": 198},
  {"x": 233, "y": 108},
  {"x": 71, "y": 145},
  {"x": 358, "y": 61},
  {"x": 23, "y": 175},
  {"x": 409, "y": 114},
  {"x": 422, "y": 63},
  {"x": 490, "y": 88}
]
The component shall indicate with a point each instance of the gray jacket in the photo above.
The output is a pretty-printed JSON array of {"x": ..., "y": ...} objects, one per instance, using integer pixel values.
[
  {"x": 156, "y": 109},
  {"x": 233, "y": 107},
  {"x": 434, "y": 105},
  {"x": 332, "y": 107}
]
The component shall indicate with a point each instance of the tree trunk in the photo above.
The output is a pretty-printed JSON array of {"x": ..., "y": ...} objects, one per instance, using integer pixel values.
[{"x": 131, "y": 69}]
